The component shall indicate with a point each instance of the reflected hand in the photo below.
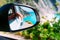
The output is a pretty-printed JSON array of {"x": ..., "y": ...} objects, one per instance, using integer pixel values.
[{"x": 19, "y": 15}]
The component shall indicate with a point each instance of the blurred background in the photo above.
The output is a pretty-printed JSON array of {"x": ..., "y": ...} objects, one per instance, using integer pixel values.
[{"x": 49, "y": 26}]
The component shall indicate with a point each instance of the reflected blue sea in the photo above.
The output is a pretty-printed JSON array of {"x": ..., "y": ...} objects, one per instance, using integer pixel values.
[
  {"x": 31, "y": 18},
  {"x": 57, "y": 16}
]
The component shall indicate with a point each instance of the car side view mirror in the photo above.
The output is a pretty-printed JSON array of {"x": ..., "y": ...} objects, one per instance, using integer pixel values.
[{"x": 21, "y": 17}]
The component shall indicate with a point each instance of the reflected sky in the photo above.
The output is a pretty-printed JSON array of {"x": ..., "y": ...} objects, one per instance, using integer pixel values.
[{"x": 26, "y": 9}]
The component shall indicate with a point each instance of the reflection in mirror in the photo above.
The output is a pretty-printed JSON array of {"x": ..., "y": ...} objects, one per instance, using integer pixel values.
[{"x": 23, "y": 18}]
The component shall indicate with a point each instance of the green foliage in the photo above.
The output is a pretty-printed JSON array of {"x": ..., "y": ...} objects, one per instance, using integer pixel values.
[
  {"x": 2, "y": 2},
  {"x": 57, "y": 26},
  {"x": 44, "y": 31},
  {"x": 57, "y": 4}
]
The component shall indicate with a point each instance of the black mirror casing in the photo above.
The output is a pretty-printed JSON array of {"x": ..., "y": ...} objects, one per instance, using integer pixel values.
[
  {"x": 4, "y": 17},
  {"x": 4, "y": 24}
]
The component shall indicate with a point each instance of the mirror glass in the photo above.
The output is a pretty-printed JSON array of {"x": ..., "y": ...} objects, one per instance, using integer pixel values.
[{"x": 23, "y": 17}]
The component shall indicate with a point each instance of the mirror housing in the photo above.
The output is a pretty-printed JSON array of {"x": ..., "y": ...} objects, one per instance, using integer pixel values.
[{"x": 30, "y": 15}]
